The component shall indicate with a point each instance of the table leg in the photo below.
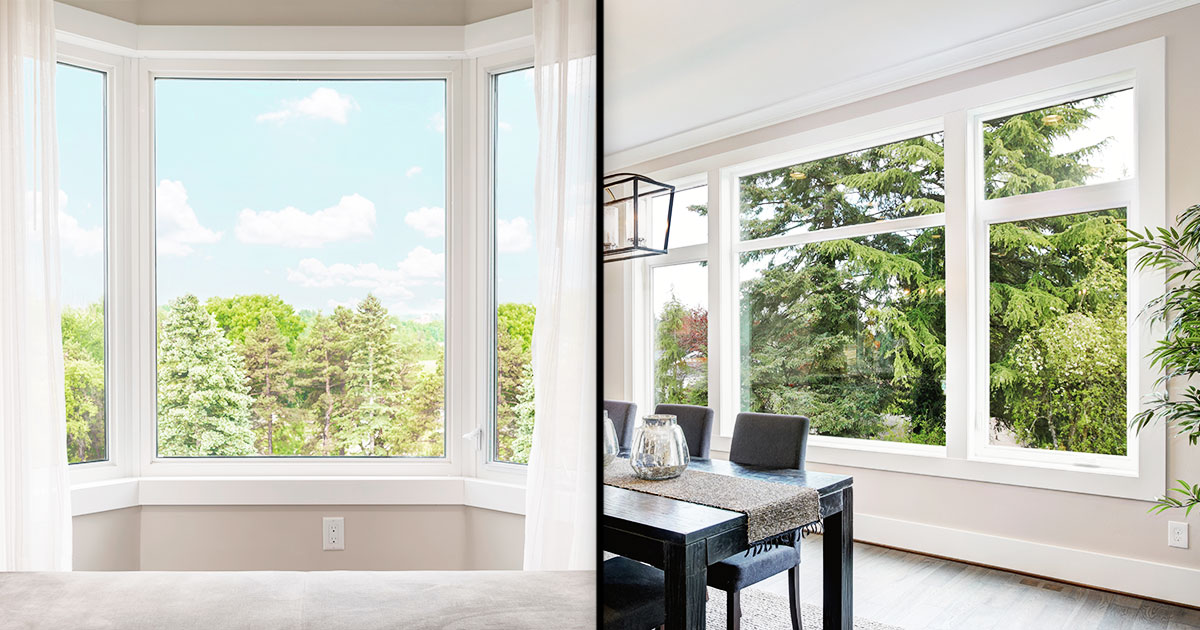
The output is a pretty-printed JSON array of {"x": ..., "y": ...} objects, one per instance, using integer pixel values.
[
  {"x": 838, "y": 562},
  {"x": 686, "y": 574}
]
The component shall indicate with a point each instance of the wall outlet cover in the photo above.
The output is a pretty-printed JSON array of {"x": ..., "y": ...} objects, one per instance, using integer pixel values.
[
  {"x": 333, "y": 533},
  {"x": 1177, "y": 534}
]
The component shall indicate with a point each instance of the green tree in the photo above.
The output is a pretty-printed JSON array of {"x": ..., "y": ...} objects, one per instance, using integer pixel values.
[
  {"x": 83, "y": 367},
  {"x": 203, "y": 404},
  {"x": 268, "y": 364},
  {"x": 321, "y": 357},
  {"x": 240, "y": 314},
  {"x": 681, "y": 351},
  {"x": 847, "y": 332},
  {"x": 374, "y": 384},
  {"x": 514, "y": 357}
]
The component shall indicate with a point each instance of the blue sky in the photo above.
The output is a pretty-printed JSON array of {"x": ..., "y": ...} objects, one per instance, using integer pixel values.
[
  {"x": 318, "y": 191},
  {"x": 79, "y": 107}
]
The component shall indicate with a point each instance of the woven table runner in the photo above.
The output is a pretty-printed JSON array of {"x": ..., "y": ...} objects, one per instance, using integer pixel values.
[{"x": 771, "y": 508}]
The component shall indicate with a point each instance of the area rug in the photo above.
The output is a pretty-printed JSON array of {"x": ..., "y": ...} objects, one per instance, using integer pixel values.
[{"x": 762, "y": 610}]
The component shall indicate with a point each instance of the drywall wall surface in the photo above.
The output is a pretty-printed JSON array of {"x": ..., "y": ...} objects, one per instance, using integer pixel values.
[{"x": 107, "y": 541}]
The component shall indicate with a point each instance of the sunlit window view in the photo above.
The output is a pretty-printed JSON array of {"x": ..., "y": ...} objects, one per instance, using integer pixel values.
[
  {"x": 848, "y": 331},
  {"x": 1058, "y": 333},
  {"x": 515, "y": 138},
  {"x": 893, "y": 181},
  {"x": 689, "y": 216},
  {"x": 300, "y": 267},
  {"x": 680, "y": 295},
  {"x": 80, "y": 108},
  {"x": 1086, "y": 141},
  {"x": 851, "y": 333}
]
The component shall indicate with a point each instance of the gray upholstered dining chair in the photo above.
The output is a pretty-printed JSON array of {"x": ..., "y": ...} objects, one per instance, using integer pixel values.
[
  {"x": 772, "y": 441},
  {"x": 696, "y": 422},
  {"x": 634, "y": 595},
  {"x": 622, "y": 415}
]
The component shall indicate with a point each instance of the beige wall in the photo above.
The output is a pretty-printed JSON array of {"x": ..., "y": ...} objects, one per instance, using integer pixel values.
[
  {"x": 107, "y": 541},
  {"x": 180, "y": 538},
  {"x": 1117, "y": 527}
]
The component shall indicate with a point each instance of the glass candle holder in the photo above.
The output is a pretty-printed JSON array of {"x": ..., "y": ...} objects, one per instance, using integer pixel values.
[
  {"x": 611, "y": 446},
  {"x": 659, "y": 449}
]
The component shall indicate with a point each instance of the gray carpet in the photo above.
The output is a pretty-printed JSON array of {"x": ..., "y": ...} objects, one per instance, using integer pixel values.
[
  {"x": 767, "y": 611},
  {"x": 287, "y": 600}
]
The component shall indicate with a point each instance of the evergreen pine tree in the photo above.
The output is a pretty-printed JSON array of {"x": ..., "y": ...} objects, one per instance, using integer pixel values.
[
  {"x": 268, "y": 366},
  {"x": 373, "y": 382},
  {"x": 322, "y": 354},
  {"x": 203, "y": 405}
]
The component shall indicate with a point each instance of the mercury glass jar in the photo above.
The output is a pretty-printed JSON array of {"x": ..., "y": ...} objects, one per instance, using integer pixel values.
[
  {"x": 659, "y": 449},
  {"x": 611, "y": 447}
]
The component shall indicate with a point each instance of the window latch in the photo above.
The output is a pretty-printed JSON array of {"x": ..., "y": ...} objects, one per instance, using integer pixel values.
[{"x": 476, "y": 435}]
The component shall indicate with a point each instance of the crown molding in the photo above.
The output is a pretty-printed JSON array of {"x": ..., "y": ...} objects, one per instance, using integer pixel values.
[
  {"x": 1070, "y": 26},
  {"x": 99, "y": 32}
]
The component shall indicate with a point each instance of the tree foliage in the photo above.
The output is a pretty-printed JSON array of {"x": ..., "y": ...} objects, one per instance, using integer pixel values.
[
  {"x": 514, "y": 381},
  {"x": 203, "y": 400}
]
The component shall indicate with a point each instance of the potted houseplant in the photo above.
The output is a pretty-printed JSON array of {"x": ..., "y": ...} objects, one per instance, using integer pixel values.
[{"x": 1176, "y": 251}]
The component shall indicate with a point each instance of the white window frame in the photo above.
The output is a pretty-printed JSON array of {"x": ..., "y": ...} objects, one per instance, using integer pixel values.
[
  {"x": 133, "y": 474},
  {"x": 485, "y": 71},
  {"x": 1140, "y": 475},
  {"x": 116, "y": 359}
]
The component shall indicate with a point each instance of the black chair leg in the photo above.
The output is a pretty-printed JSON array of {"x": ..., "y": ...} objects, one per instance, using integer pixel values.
[
  {"x": 794, "y": 596},
  {"x": 733, "y": 610}
]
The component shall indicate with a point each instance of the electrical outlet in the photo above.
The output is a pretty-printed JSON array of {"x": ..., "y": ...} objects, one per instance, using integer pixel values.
[
  {"x": 334, "y": 528},
  {"x": 1177, "y": 534}
]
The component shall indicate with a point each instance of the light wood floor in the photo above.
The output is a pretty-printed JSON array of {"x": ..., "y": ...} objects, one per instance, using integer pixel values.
[{"x": 918, "y": 592}]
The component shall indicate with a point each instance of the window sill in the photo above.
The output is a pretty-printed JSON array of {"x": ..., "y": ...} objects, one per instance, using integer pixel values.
[
  {"x": 1051, "y": 474},
  {"x": 103, "y": 496}
]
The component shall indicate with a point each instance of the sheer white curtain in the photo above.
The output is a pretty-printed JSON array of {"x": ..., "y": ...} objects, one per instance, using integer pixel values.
[
  {"x": 560, "y": 504},
  {"x": 35, "y": 511}
]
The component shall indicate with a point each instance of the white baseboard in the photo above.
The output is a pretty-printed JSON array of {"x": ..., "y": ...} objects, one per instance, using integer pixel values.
[{"x": 1127, "y": 575}]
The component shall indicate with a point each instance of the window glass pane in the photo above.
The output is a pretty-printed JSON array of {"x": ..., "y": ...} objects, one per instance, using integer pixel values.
[
  {"x": 80, "y": 111},
  {"x": 1088, "y": 141},
  {"x": 892, "y": 181},
  {"x": 300, "y": 267},
  {"x": 689, "y": 217},
  {"x": 680, "y": 303},
  {"x": 850, "y": 333},
  {"x": 1058, "y": 336},
  {"x": 516, "y": 262}
]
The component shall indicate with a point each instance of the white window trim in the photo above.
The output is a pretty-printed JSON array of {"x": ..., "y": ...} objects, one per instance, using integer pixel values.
[
  {"x": 109, "y": 45},
  {"x": 1142, "y": 474},
  {"x": 485, "y": 70}
]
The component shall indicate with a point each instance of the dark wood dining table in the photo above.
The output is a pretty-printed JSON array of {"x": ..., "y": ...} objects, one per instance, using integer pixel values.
[{"x": 683, "y": 539}]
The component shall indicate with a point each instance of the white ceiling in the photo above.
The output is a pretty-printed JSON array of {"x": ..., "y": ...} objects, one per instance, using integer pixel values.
[
  {"x": 303, "y": 12},
  {"x": 675, "y": 65}
]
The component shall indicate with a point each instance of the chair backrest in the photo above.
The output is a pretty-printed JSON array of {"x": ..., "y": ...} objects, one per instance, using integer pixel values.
[
  {"x": 696, "y": 422},
  {"x": 767, "y": 439},
  {"x": 622, "y": 415}
]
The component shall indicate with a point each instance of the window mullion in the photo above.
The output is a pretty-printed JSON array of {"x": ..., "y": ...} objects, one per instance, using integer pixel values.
[
  {"x": 846, "y": 231},
  {"x": 960, "y": 247}
]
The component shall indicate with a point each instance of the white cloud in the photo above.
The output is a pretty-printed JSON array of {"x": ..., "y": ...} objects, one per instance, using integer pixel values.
[
  {"x": 437, "y": 122},
  {"x": 322, "y": 103},
  {"x": 352, "y": 218},
  {"x": 504, "y": 126},
  {"x": 513, "y": 236},
  {"x": 420, "y": 267},
  {"x": 176, "y": 223},
  {"x": 416, "y": 170},
  {"x": 79, "y": 241},
  {"x": 428, "y": 221},
  {"x": 431, "y": 311}
]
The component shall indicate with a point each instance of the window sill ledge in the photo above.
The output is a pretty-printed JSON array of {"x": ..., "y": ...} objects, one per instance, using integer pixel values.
[{"x": 103, "y": 496}]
